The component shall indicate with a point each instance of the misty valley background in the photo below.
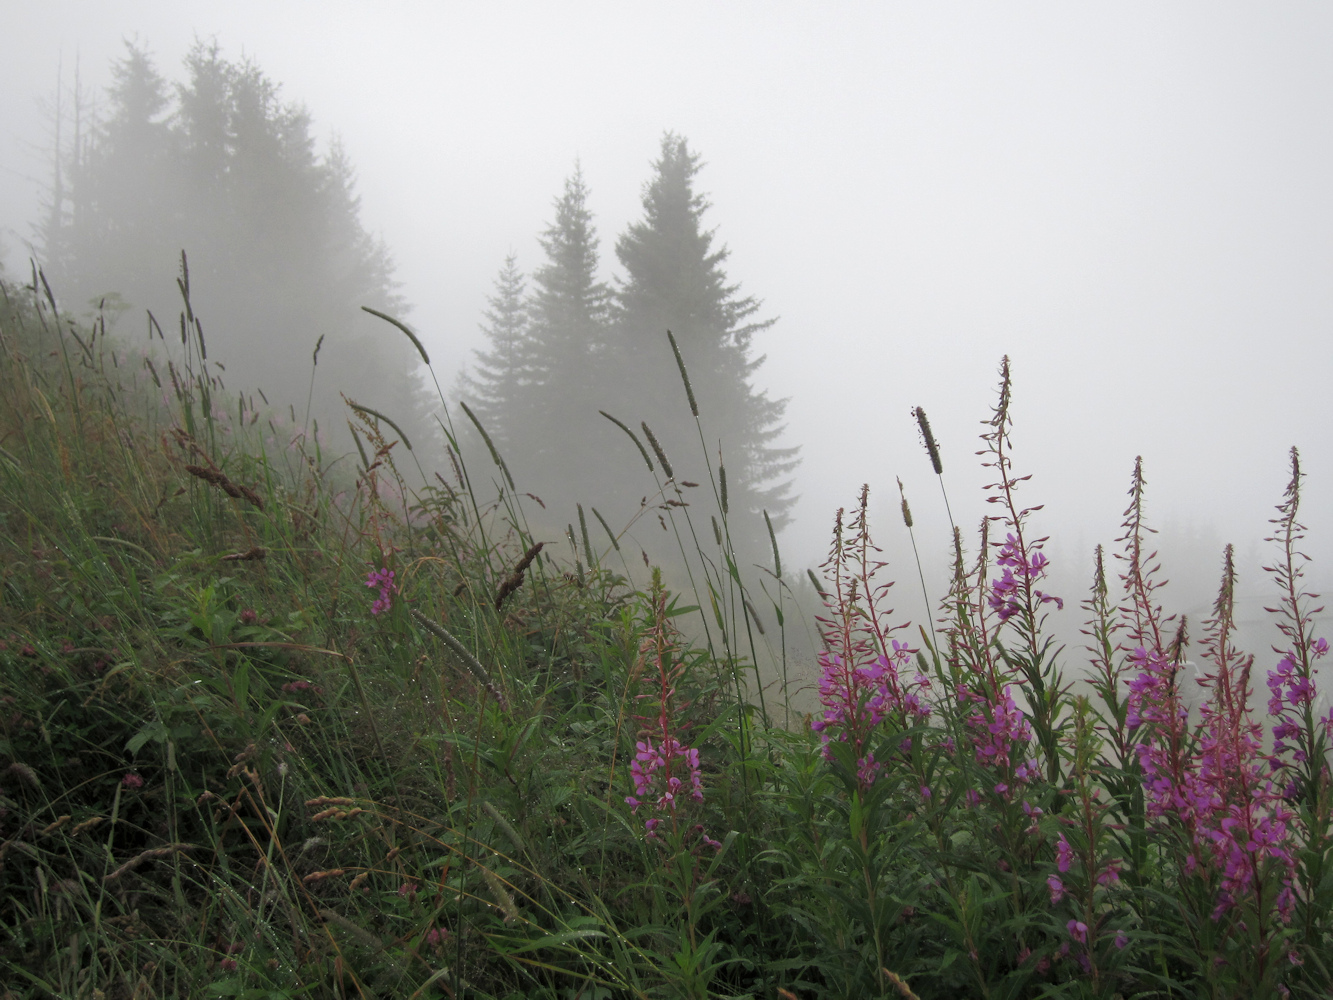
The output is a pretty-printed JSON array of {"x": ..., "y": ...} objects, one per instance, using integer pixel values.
[{"x": 216, "y": 157}]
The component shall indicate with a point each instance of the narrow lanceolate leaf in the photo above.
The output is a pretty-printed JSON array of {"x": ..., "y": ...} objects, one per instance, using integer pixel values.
[
  {"x": 637, "y": 443},
  {"x": 684, "y": 375},
  {"x": 410, "y": 335}
]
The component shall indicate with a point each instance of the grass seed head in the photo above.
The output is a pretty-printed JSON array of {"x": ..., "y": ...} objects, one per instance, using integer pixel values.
[{"x": 932, "y": 447}]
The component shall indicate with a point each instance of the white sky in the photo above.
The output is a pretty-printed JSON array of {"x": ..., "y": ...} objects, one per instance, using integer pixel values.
[{"x": 1131, "y": 199}]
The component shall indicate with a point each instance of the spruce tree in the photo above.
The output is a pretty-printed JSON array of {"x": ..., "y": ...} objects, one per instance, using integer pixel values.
[
  {"x": 674, "y": 280},
  {"x": 502, "y": 374},
  {"x": 221, "y": 167},
  {"x": 117, "y": 203},
  {"x": 555, "y": 418}
]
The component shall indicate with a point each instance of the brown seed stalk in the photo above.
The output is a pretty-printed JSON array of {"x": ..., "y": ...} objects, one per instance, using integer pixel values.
[{"x": 515, "y": 579}]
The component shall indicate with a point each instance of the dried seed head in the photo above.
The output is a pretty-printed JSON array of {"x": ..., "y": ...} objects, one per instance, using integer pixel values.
[
  {"x": 772, "y": 538},
  {"x": 615, "y": 544},
  {"x": 754, "y": 617},
  {"x": 583, "y": 530},
  {"x": 632, "y": 436},
  {"x": 814, "y": 582},
  {"x": 932, "y": 447},
  {"x": 907, "y": 511},
  {"x": 490, "y": 445},
  {"x": 657, "y": 450},
  {"x": 722, "y": 480},
  {"x": 684, "y": 376},
  {"x": 410, "y": 335}
]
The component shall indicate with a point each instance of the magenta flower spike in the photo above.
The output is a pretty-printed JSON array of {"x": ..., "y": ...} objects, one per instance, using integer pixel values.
[{"x": 383, "y": 579}]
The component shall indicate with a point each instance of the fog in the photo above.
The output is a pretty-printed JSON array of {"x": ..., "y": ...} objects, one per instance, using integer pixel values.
[{"x": 1132, "y": 201}]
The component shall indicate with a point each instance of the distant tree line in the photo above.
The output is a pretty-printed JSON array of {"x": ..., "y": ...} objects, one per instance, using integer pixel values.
[
  {"x": 566, "y": 345},
  {"x": 217, "y": 164},
  {"x": 220, "y": 166}
]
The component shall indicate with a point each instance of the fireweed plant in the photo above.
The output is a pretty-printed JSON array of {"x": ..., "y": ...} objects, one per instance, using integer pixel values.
[
  {"x": 1062, "y": 842},
  {"x": 276, "y": 724}
]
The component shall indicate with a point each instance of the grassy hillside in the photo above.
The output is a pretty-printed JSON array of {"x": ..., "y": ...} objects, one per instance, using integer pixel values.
[{"x": 275, "y": 723}]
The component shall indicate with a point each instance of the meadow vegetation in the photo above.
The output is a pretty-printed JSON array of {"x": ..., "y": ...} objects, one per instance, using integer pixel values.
[{"x": 280, "y": 723}]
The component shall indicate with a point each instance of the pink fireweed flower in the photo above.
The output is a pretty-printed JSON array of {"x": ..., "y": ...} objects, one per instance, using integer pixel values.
[
  {"x": 1057, "y": 889},
  {"x": 1078, "y": 930},
  {"x": 660, "y": 773},
  {"x": 1064, "y": 854},
  {"x": 383, "y": 579},
  {"x": 1005, "y": 591},
  {"x": 1121, "y": 940},
  {"x": 856, "y": 699},
  {"x": 1218, "y": 793},
  {"x": 999, "y": 732},
  {"x": 1290, "y": 691}
]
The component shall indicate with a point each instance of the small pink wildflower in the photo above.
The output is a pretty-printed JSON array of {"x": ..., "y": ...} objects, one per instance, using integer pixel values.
[
  {"x": 1057, "y": 889},
  {"x": 1078, "y": 930},
  {"x": 383, "y": 579},
  {"x": 1121, "y": 940},
  {"x": 132, "y": 781},
  {"x": 1064, "y": 854},
  {"x": 856, "y": 699},
  {"x": 1004, "y": 598}
]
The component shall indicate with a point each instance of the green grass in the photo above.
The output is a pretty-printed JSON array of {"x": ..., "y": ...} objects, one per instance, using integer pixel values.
[{"x": 223, "y": 775}]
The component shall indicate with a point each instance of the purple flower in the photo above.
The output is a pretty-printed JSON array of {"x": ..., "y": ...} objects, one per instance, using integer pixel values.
[
  {"x": 856, "y": 699},
  {"x": 1121, "y": 940},
  {"x": 1057, "y": 889},
  {"x": 1078, "y": 930},
  {"x": 383, "y": 579},
  {"x": 1005, "y": 591},
  {"x": 1064, "y": 854},
  {"x": 132, "y": 781}
]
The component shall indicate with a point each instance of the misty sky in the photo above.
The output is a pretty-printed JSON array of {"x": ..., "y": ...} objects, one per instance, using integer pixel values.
[{"x": 1130, "y": 199}]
